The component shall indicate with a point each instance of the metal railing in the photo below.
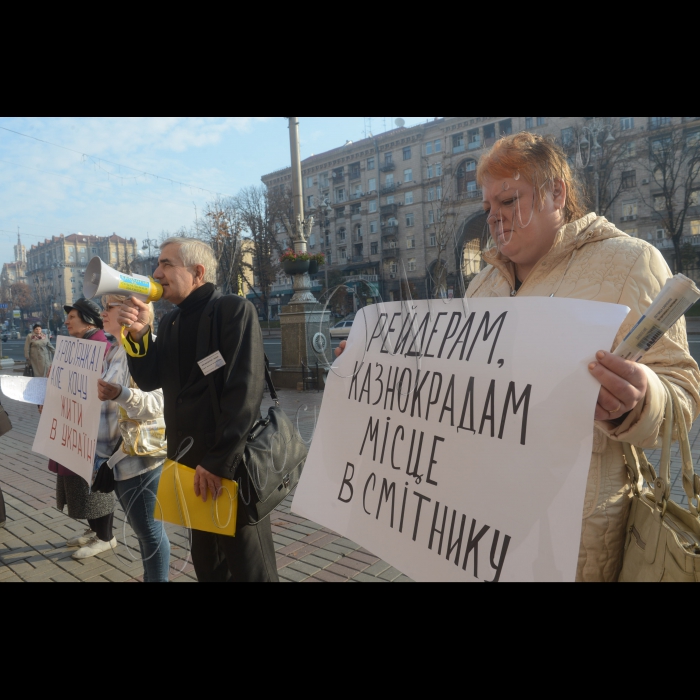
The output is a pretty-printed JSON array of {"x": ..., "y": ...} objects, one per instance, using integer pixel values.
[
  {"x": 666, "y": 243},
  {"x": 388, "y": 167},
  {"x": 372, "y": 279}
]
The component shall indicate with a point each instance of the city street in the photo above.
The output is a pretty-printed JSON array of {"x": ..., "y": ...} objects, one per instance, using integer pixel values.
[
  {"x": 273, "y": 347},
  {"x": 14, "y": 349}
]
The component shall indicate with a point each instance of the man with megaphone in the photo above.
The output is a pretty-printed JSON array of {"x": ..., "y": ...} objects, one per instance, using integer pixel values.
[{"x": 207, "y": 334}]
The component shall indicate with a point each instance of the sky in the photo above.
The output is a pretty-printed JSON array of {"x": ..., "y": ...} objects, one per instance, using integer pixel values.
[{"x": 141, "y": 176}]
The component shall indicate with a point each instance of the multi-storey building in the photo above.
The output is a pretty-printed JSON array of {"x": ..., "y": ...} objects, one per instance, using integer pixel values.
[
  {"x": 56, "y": 267},
  {"x": 404, "y": 208}
]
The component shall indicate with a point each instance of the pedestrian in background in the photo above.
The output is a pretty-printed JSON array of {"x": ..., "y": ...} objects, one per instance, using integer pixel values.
[
  {"x": 38, "y": 351},
  {"x": 144, "y": 449},
  {"x": 84, "y": 321},
  {"x": 218, "y": 421}
]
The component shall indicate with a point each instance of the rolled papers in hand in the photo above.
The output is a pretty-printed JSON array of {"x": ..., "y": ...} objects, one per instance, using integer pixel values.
[{"x": 675, "y": 299}]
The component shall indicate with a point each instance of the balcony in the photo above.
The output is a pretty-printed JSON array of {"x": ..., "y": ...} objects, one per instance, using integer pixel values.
[
  {"x": 388, "y": 167},
  {"x": 390, "y": 230},
  {"x": 667, "y": 243},
  {"x": 471, "y": 194},
  {"x": 357, "y": 195},
  {"x": 474, "y": 145},
  {"x": 388, "y": 189},
  {"x": 389, "y": 210},
  {"x": 371, "y": 279},
  {"x": 390, "y": 251},
  {"x": 355, "y": 174},
  {"x": 355, "y": 259},
  {"x": 338, "y": 176},
  {"x": 459, "y": 149}
]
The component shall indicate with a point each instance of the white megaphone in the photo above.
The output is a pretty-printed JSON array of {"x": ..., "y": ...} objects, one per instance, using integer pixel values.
[{"x": 101, "y": 279}]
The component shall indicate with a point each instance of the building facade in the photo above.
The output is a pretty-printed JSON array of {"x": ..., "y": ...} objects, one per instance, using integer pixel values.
[
  {"x": 401, "y": 213},
  {"x": 56, "y": 267}
]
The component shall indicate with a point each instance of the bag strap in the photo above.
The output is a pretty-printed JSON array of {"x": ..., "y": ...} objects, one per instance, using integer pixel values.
[
  {"x": 637, "y": 462},
  {"x": 691, "y": 481},
  {"x": 211, "y": 331}
]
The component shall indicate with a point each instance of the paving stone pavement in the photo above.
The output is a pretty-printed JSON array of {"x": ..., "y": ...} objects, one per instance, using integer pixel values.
[{"x": 32, "y": 544}]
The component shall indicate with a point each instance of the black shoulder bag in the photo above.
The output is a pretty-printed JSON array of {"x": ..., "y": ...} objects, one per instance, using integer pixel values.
[
  {"x": 274, "y": 455},
  {"x": 5, "y": 424}
]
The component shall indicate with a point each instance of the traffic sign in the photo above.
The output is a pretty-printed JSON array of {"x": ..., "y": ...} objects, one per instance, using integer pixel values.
[{"x": 4, "y": 306}]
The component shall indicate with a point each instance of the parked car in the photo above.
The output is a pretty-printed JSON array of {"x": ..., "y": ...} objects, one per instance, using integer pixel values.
[
  {"x": 5, "y": 337},
  {"x": 341, "y": 330}
]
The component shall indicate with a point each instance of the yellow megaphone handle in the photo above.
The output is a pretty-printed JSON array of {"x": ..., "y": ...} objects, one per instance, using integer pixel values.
[{"x": 132, "y": 348}]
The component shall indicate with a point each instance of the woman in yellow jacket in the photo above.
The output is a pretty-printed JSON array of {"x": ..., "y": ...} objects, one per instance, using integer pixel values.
[{"x": 545, "y": 245}]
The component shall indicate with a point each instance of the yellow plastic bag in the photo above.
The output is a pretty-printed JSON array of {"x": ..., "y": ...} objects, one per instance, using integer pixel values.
[{"x": 176, "y": 502}]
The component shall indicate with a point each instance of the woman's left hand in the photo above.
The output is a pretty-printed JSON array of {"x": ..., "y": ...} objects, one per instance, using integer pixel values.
[
  {"x": 107, "y": 391},
  {"x": 624, "y": 385}
]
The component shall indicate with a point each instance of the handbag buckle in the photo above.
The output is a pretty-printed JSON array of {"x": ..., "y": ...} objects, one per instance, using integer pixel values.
[{"x": 286, "y": 481}]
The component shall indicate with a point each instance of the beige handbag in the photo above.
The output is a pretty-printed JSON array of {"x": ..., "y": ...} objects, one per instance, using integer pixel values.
[{"x": 663, "y": 538}]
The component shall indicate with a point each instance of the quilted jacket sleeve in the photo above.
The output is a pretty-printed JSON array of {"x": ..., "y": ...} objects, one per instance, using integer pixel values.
[{"x": 669, "y": 358}]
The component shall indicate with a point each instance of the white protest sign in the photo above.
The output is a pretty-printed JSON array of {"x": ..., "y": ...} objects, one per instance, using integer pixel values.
[
  {"x": 455, "y": 437},
  {"x": 24, "y": 389},
  {"x": 70, "y": 419}
]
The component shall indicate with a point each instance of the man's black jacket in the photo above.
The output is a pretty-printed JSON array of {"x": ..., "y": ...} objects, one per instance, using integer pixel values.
[{"x": 219, "y": 442}]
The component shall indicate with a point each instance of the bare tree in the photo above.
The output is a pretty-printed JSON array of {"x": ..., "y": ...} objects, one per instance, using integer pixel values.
[
  {"x": 602, "y": 155},
  {"x": 43, "y": 297},
  {"x": 261, "y": 213},
  {"x": 673, "y": 163},
  {"x": 222, "y": 228}
]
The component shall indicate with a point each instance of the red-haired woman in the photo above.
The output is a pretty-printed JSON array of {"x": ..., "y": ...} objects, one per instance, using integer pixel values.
[{"x": 546, "y": 245}]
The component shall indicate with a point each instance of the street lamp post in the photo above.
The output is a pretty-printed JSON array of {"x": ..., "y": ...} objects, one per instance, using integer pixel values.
[
  {"x": 305, "y": 323},
  {"x": 300, "y": 228},
  {"x": 324, "y": 210}
]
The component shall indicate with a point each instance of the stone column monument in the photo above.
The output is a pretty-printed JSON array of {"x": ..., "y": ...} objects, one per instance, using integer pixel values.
[{"x": 305, "y": 324}]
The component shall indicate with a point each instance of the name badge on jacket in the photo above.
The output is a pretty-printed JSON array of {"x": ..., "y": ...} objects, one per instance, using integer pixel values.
[{"x": 212, "y": 363}]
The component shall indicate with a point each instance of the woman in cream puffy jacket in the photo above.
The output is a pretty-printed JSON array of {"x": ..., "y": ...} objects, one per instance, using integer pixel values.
[{"x": 545, "y": 246}]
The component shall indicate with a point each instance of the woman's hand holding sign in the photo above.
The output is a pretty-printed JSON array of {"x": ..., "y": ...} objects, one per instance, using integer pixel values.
[
  {"x": 107, "y": 391},
  {"x": 341, "y": 348},
  {"x": 624, "y": 385}
]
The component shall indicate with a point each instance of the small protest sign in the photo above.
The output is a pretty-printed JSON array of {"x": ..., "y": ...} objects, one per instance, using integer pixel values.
[
  {"x": 70, "y": 419},
  {"x": 455, "y": 436}
]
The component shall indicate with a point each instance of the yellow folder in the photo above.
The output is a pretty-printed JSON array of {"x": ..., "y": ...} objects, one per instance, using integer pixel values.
[{"x": 176, "y": 502}]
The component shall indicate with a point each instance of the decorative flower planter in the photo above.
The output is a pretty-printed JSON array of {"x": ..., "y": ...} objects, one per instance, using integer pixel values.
[
  {"x": 296, "y": 267},
  {"x": 313, "y": 267}
]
